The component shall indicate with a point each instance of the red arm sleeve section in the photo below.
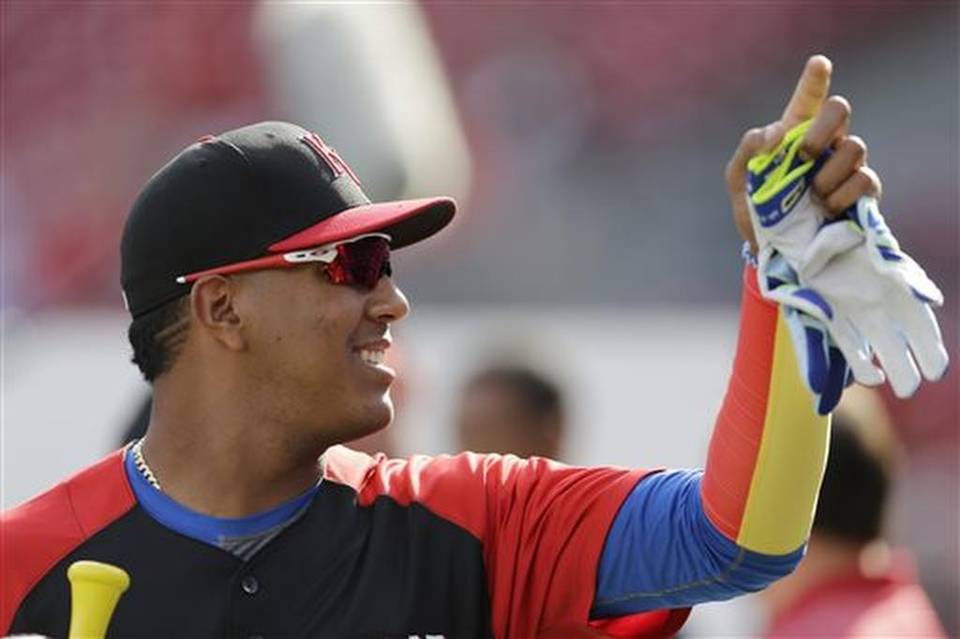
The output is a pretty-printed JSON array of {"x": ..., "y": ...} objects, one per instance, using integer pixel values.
[
  {"x": 39, "y": 533},
  {"x": 652, "y": 625},
  {"x": 542, "y": 525},
  {"x": 739, "y": 428}
]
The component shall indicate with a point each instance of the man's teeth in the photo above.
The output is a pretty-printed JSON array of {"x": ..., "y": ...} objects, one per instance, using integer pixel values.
[{"x": 374, "y": 357}]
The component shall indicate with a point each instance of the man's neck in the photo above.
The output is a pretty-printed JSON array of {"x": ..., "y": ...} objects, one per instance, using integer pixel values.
[{"x": 225, "y": 463}]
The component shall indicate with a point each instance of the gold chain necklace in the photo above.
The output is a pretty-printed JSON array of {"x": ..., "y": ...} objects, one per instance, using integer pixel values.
[{"x": 141, "y": 464}]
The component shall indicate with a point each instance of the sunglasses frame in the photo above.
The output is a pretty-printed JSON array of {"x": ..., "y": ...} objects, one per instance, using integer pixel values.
[{"x": 325, "y": 254}]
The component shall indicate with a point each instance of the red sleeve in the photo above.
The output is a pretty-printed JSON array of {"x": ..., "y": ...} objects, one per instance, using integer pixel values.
[
  {"x": 39, "y": 533},
  {"x": 769, "y": 447},
  {"x": 542, "y": 525},
  {"x": 735, "y": 443}
]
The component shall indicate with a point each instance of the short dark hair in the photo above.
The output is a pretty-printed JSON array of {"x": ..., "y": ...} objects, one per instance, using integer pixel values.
[
  {"x": 157, "y": 337},
  {"x": 537, "y": 394},
  {"x": 856, "y": 485}
]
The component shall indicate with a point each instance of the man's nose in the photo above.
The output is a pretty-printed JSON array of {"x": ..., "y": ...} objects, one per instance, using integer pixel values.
[{"x": 387, "y": 302}]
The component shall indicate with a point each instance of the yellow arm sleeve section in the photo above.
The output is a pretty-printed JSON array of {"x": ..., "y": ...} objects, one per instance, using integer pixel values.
[{"x": 791, "y": 460}]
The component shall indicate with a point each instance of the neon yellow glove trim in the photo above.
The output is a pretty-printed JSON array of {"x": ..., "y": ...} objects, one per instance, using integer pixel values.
[{"x": 784, "y": 154}]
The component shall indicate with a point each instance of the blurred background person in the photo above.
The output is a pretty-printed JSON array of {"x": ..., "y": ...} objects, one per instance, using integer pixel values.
[
  {"x": 852, "y": 583},
  {"x": 509, "y": 408}
]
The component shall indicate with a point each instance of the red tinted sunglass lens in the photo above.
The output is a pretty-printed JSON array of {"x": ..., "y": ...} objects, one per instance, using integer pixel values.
[{"x": 361, "y": 263}]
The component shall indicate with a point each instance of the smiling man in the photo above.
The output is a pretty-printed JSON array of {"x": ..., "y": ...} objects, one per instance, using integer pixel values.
[{"x": 259, "y": 282}]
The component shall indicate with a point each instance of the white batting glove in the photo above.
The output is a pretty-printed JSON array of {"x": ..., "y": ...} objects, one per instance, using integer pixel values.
[
  {"x": 783, "y": 210},
  {"x": 874, "y": 297},
  {"x": 852, "y": 275},
  {"x": 822, "y": 364}
]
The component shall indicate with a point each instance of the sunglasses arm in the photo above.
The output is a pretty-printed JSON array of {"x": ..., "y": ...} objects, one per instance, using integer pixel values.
[{"x": 294, "y": 258}]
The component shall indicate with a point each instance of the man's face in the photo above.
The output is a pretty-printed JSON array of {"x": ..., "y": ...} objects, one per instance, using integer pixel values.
[{"x": 318, "y": 349}]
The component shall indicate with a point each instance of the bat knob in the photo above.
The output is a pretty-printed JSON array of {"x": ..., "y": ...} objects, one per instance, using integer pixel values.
[{"x": 95, "y": 589}]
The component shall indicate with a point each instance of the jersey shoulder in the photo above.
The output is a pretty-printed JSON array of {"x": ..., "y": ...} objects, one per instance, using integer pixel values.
[
  {"x": 458, "y": 488},
  {"x": 38, "y": 533},
  {"x": 475, "y": 491}
]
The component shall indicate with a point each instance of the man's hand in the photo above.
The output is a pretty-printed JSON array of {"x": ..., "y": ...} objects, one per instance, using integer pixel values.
[
  {"x": 837, "y": 184},
  {"x": 842, "y": 179},
  {"x": 850, "y": 279}
]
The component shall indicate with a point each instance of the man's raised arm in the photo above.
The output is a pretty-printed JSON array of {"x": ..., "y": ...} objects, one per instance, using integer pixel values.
[{"x": 686, "y": 537}]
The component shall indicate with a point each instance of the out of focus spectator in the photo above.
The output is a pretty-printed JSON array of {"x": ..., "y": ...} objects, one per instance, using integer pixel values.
[
  {"x": 852, "y": 583},
  {"x": 511, "y": 409}
]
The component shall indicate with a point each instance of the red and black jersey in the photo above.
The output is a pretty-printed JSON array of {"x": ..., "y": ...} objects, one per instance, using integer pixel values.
[{"x": 457, "y": 546}]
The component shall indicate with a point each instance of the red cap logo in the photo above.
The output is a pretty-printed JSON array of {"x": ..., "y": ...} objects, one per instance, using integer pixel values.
[{"x": 329, "y": 156}]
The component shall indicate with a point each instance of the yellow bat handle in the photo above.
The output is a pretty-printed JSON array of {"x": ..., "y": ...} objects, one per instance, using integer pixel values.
[{"x": 95, "y": 589}]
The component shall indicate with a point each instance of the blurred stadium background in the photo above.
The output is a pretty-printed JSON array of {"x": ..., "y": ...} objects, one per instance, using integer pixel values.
[{"x": 586, "y": 144}]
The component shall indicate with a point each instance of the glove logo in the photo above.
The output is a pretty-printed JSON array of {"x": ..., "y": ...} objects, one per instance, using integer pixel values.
[
  {"x": 791, "y": 198},
  {"x": 780, "y": 206}
]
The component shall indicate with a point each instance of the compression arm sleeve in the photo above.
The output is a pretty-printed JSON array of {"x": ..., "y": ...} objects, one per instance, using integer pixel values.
[{"x": 687, "y": 537}]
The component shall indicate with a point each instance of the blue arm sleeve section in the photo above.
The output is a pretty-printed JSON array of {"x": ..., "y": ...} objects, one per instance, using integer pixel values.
[{"x": 663, "y": 552}]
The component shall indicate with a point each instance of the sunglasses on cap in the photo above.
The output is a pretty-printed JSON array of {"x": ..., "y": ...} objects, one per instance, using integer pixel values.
[{"x": 360, "y": 261}]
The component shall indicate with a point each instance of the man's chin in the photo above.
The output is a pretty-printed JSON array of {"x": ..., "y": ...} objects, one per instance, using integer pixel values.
[
  {"x": 379, "y": 441},
  {"x": 375, "y": 418},
  {"x": 362, "y": 418}
]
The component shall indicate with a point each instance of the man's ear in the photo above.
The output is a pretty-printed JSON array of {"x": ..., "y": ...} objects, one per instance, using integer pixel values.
[{"x": 212, "y": 303}]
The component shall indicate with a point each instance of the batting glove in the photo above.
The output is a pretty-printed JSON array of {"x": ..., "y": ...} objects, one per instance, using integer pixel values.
[
  {"x": 853, "y": 276},
  {"x": 783, "y": 211},
  {"x": 873, "y": 297},
  {"x": 822, "y": 364},
  {"x": 785, "y": 219}
]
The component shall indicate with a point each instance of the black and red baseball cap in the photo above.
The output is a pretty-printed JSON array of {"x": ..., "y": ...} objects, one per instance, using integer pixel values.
[{"x": 259, "y": 190}]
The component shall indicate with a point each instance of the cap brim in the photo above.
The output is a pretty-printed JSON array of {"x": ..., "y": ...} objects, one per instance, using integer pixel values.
[{"x": 405, "y": 221}]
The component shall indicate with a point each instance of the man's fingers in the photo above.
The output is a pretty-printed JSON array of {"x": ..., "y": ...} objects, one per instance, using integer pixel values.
[
  {"x": 811, "y": 90},
  {"x": 863, "y": 182},
  {"x": 753, "y": 142},
  {"x": 849, "y": 155},
  {"x": 830, "y": 124}
]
